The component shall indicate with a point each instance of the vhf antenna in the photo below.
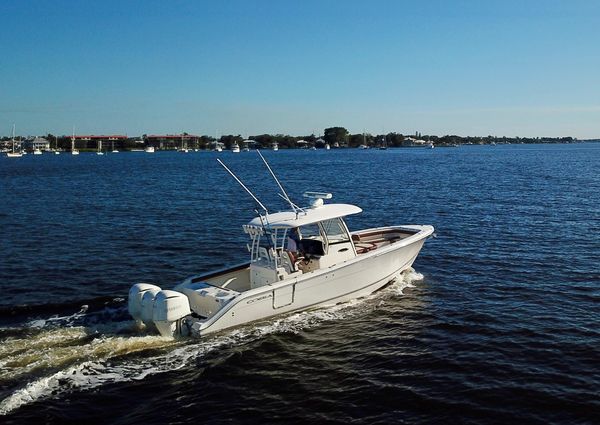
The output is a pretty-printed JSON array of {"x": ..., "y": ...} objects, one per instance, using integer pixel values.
[
  {"x": 245, "y": 188},
  {"x": 285, "y": 196}
]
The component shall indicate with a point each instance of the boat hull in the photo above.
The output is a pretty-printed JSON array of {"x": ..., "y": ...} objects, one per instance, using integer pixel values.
[{"x": 342, "y": 282}]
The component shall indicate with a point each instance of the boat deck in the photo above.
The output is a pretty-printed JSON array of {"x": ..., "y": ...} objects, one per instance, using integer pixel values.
[{"x": 370, "y": 240}]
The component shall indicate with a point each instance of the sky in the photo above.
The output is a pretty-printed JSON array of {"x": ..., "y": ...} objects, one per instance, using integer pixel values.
[{"x": 471, "y": 68}]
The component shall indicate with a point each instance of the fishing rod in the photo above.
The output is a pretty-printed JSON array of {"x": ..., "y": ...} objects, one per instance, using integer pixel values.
[
  {"x": 285, "y": 196},
  {"x": 266, "y": 232},
  {"x": 244, "y": 186}
]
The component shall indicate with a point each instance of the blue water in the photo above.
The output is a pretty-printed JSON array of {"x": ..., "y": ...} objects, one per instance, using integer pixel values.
[{"x": 500, "y": 323}]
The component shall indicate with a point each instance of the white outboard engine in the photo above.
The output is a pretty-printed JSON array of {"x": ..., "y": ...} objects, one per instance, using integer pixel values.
[
  {"x": 148, "y": 306},
  {"x": 169, "y": 308},
  {"x": 135, "y": 302}
]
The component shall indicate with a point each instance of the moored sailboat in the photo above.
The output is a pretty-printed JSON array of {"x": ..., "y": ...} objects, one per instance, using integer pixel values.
[
  {"x": 14, "y": 153},
  {"x": 73, "y": 150}
]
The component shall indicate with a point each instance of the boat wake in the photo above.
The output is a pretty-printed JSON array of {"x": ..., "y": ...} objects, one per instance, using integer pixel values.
[{"x": 59, "y": 355}]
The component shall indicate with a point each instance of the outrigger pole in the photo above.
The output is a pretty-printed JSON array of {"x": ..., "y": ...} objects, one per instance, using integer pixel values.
[
  {"x": 285, "y": 196},
  {"x": 245, "y": 188}
]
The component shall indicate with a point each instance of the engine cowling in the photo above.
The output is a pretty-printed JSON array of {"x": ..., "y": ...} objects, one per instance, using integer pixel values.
[
  {"x": 148, "y": 306},
  {"x": 134, "y": 301},
  {"x": 169, "y": 308}
]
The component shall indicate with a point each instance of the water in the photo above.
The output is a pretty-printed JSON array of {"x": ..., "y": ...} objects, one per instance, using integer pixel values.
[{"x": 500, "y": 323}]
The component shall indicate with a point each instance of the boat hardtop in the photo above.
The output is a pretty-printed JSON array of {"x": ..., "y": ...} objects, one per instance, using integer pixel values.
[
  {"x": 289, "y": 219},
  {"x": 301, "y": 258}
]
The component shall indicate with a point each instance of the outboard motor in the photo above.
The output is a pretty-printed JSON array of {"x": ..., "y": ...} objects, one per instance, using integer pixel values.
[
  {"x": 169, "y": 308},
  {"x": 134, "y": 301},
  {"x": 147, "y": 307}
]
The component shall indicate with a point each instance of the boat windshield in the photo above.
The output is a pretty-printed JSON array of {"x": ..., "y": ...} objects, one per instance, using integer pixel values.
[
  {"x": 335, "y": 231},
  {"x": 310, "y": 231}
]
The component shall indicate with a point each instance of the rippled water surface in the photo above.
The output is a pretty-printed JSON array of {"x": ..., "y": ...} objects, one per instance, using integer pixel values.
[{"x": 500, "y": 322}]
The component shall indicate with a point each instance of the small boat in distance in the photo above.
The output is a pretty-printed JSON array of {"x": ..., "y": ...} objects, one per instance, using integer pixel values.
[
  {"x": 235, "y": 148},
  {"x": 275, "y": 146},
  {"x": 149, "y": 149},
  {"x": 384, "y": 145},
  {"x": 73, "y": 150},
  {"x": 301, "y": 258},
  {"x": 14, "y": 153},
  {"x": 364, "y": 144},
  {"x": 99, "y": 151},
  {"x": 184, "y": 148}
]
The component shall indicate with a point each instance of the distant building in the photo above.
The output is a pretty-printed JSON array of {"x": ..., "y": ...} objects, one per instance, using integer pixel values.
[
  {"x": 172, "y": 141},
  {"x": 40, "y": 143},
  {"x": 115, "y": 141}
]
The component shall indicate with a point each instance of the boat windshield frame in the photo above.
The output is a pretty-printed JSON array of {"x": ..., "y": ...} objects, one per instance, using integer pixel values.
[{"x": 267, "y": 243}]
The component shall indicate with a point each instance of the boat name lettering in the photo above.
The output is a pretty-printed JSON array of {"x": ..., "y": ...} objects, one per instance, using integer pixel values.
[{"x": 264, "y": 297}]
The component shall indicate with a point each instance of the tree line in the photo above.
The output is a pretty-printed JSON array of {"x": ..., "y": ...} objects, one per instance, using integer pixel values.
[{"x": 332, "y": 136}]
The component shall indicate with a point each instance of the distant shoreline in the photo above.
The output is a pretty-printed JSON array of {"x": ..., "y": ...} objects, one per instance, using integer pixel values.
[{"x": 333, "y": 137}]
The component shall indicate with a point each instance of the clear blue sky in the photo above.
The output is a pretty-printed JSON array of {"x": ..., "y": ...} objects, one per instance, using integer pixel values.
[{"x": 513, "y": 68}]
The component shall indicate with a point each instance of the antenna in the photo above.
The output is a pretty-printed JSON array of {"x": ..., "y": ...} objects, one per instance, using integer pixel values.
[
  {"x": 242, "y": 184},
  {"x": 285, "y": 195}
]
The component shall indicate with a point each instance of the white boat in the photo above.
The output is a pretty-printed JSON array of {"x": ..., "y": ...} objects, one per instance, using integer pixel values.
[
  {"x": 235, "y": 148},
  {"x": 99, "y": 151},
  {"x": 327, "y": 147},
  {"x": 384, "y": 145},
  {"x": 184, "y": 148},
  {"x": 56, "y": 151},
  {"x": 37, "y": 152},
  {"x": 275, "y": 146},
  {"x": 14, "y": 153},
  {"x": 364, "y": 144},
  {"x": 299, "y": 259},
  {"x": 149, "y": 149},
  {"x": 73, "y": 150}
]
